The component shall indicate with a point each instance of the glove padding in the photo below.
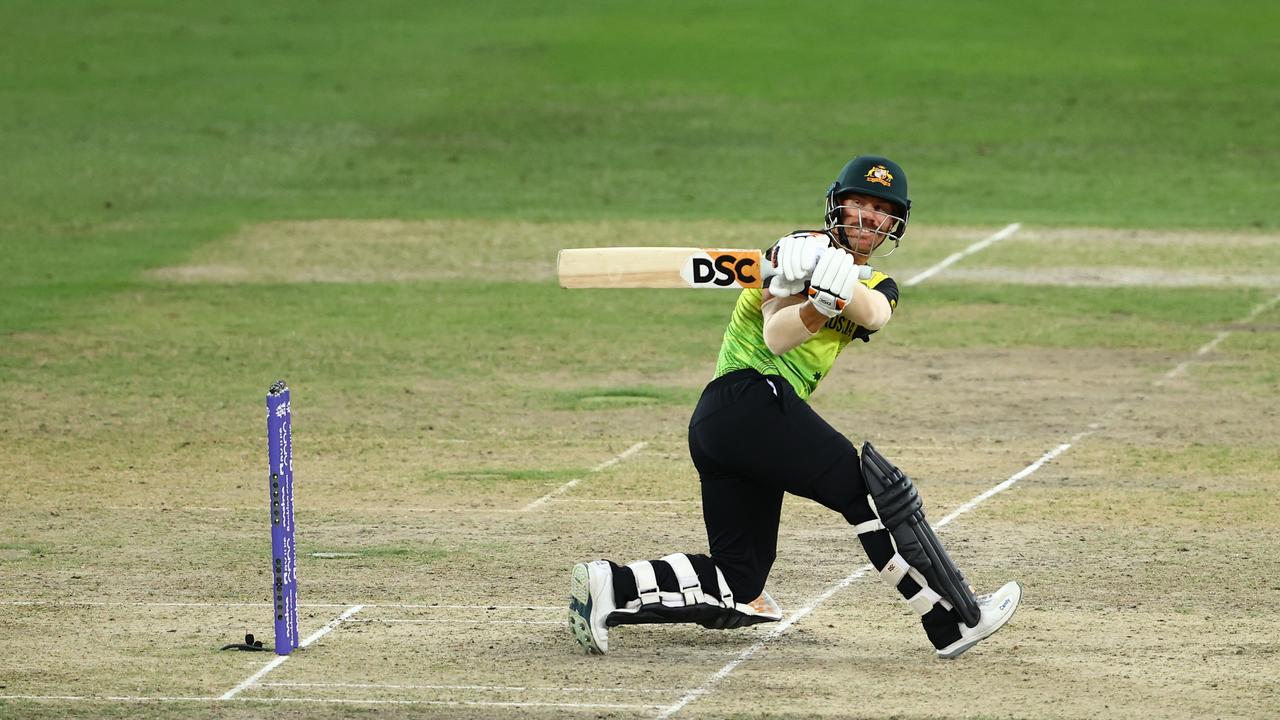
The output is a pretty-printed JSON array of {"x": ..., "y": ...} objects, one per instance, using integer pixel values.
[
  {"x": 795, "y": 256},
  {"x": 833, "y": 279}
]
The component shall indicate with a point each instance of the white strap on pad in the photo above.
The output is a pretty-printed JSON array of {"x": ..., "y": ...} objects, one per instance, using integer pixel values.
[
  {"x": 872, "y": 525},
  {"x": 922, "y": 602},
  {"x": 894, "y": 570},
  {"x": 690, "y": 585},
  {"x": 646, "y": 581},
  {"x": 726, "y": 595}
]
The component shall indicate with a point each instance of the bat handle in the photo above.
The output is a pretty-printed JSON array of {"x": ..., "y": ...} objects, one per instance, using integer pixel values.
[{"x": 767, "y": 270}]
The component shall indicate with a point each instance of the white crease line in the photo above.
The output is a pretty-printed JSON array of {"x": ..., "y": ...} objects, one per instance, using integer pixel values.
[
  {"x": 248, "y": 682},
  {"x": 454, "y": 703},
  {"x": 106, "y": 698},
  {"x": 1209, "y": 346},
  {"x": 335, "y": 701},
  {"x": 567, "y": 486},
  {"x": 956, "y": 257},
  {"x": 620, "y": 456},
  {"x": 628, "y": 501},
  {"x": 1205, "y": 350},
  {"x": 566, "y": 507},
  {"x": 423, "y": 606},
  {"x": 481, "y": 688},
  {"x": 395, "y": 509},
  {"x": 179, "y": 508},
  {"x": 1001, "y": 487},
  {"x": 457, "y": 621},
  {"x": 327, "y": 628},
  {"x": 122, "y": 603},
  {"x": 798, "y": 615}
]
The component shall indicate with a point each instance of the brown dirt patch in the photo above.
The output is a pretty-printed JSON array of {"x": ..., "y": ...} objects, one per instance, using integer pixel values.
[
  {"x": 1110, "y": 277},
  {"x": 351, "y": 251}
]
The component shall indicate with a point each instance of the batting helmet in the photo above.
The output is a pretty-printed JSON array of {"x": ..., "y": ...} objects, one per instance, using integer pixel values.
[{"x": 875, "y": 176}]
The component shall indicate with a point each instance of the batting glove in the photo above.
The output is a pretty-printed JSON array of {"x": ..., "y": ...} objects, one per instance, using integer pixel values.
[
  {"x": 795, "y": 257},
  {"x": 833, "y": 279}
]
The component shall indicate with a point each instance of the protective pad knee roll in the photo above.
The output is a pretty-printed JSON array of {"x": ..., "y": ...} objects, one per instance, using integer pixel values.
[
  {"x": 901, "y": 510},
  {"x": 897, "y": 503}
]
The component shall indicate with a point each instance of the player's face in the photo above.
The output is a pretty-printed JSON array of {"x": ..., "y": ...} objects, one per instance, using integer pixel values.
[{"x": 867, "y": 222}]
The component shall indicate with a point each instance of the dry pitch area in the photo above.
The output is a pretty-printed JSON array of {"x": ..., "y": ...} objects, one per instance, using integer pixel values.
[{"x": 1140, "y": 517}]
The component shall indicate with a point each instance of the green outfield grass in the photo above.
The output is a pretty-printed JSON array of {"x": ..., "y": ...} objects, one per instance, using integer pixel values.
[{"x": 133, "y": 132}]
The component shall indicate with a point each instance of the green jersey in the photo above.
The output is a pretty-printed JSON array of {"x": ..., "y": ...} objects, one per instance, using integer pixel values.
[{"x": 804, "y": 365}]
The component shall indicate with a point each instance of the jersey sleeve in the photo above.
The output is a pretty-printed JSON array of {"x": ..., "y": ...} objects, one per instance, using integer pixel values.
[{"x": 889, "y": 288}]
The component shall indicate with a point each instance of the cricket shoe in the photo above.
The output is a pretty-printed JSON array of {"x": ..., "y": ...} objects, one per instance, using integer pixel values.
[
  {"x": 996, "y": 610},
  {"x": 590, "y": 602}
]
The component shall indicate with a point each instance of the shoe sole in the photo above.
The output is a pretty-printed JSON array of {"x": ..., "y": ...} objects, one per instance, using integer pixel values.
[
  {"x": 975, "y": 640},
  {"x": 580, "y": 609}
]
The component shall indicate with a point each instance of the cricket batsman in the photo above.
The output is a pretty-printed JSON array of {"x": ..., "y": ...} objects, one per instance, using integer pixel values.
[{"x": 753, "y": 438}]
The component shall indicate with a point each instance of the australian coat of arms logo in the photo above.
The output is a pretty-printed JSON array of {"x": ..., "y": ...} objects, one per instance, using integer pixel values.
[{"x": 879, "y": 174}]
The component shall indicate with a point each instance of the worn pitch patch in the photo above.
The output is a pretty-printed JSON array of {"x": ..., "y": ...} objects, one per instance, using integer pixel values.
[
  {"x": 356, "y": 251},
  {"x": 1108, "y": 276},
  {"x": 369, "y": 251}
]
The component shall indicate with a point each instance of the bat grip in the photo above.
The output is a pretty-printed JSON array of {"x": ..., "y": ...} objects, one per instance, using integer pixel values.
[{"x": 767, "y": 270}]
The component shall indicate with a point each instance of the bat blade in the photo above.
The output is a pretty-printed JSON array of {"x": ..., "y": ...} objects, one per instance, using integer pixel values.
[{"x": 661, "y": 267}]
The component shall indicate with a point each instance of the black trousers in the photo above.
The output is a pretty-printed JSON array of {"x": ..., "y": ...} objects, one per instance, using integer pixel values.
[{"x": 753, "y": 439}]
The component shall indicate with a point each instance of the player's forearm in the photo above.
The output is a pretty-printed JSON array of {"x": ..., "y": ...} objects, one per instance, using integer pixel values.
[
  {"x": 785, "y": 324},
  {"x": 868, "y": 308},
  {"x": 791, "y": 320}
]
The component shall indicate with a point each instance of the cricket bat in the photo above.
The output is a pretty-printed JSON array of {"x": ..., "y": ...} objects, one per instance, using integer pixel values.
[{"x": 662, "y": 267}]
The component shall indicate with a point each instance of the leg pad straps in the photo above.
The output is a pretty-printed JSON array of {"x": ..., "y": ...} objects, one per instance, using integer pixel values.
[{"x": 690, "y": 603}]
